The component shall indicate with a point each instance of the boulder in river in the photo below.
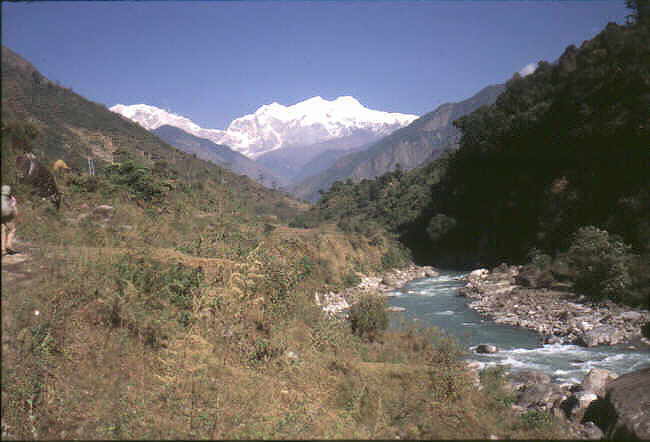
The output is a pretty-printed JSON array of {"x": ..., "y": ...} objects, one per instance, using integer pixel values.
[{"x": 486, "y": 348}]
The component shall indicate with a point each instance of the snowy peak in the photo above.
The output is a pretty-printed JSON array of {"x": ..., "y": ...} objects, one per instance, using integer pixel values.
[
  {"x": 274, "y": 126},
  {"x": 151, "y": 118},
  {"x": 311, "y": 121}
]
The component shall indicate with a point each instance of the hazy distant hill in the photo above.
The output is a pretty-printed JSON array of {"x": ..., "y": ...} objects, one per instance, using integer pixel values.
[
  {"x": 218, "y": 154},
  {"x": 299, "y": 162},
  {"x": 421, "y": 141}
]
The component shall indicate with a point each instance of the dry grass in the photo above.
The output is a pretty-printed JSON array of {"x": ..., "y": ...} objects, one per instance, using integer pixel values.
[{"x": 127, "y": 345}]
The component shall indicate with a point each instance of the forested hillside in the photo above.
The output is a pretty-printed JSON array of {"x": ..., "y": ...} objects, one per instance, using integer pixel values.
[
  {"x": 218, "y": 154},
  {"x": 562, "y": 149}
]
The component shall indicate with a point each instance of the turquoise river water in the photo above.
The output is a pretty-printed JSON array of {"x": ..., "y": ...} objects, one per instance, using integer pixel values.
[{"x": 433, "y": 302}]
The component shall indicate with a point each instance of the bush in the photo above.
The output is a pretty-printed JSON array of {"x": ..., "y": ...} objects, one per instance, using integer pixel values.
[
  {"x": 396, "y": 256},
  {"x": 303, "y": 221},
  {"x": 368, "y": 317},
  {"x": 84, "y": 183},
  {"x": 351, "y": 279},
  {"x": 439, "y": 226},
  {"x": 600, "y": 264},
  {"x": 136, "y": 178}
]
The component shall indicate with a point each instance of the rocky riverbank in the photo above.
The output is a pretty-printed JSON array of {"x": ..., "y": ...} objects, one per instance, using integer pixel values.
[
  {"x": 559, "y": 316},
  {"x": 393, "y": 279},
  {"x": 603, "y": 405}
]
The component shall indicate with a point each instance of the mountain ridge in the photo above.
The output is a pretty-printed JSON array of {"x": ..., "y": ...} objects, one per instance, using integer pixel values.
[{"x": 274, "y": 126}]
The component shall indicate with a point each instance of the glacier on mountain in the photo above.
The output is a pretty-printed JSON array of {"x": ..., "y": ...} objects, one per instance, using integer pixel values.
[{"x": 274, "y": 126}]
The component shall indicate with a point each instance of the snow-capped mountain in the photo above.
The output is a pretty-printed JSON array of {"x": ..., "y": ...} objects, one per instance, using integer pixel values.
[
  {"x": 315, "y": 120},
  {"x": 275, "y": 126},
  {"x": 152, "y": 117}
]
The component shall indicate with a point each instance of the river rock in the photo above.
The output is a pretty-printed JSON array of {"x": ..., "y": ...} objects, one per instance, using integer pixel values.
[
  {"x": 597, "y": 379},
  {"x": 631, "y": 316},
  {"x": 585, "y": 398},
  {"x": 604, "y": 334},
  {"x": 430, "y": 272},
  {"x": 522, "y": 378},
  {"x": 591, "y": 431},
  {"x": 479, "y": 273},
  {"x": 486, "y": 348},
  {"x": 553, "y": 340},
  {"x": 531, "y": 276},
  {"x": 391, "y": 281},
  {"x": 627, "y": 407},
  {"x": 539, "y": 396}
]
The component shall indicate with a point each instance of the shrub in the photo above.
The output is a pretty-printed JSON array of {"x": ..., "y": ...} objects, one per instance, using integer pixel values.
[
  {"x": 84, "y": 183},
  {"x": 600, "y": 264},
  {"x": 136, "y": 178},
  {"x": 351, "y": 279},
  {"x": 396, "y": 256},
  {"x": 535, "y": 419},
  {"x": 303, "y": 221},
  {"x": 368, "y": 317},
  {"x": 439, "y": 226}
]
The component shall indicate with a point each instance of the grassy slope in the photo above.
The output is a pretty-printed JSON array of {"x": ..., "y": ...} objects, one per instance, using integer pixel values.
[{"x": 175, "y": 319}]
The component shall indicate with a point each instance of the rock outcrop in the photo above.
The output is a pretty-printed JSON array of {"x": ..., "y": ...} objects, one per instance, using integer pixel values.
[{"x": 625, "y": 412}]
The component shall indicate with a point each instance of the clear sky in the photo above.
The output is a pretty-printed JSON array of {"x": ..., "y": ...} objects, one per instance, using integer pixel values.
[{"x": 216, "y": 61}]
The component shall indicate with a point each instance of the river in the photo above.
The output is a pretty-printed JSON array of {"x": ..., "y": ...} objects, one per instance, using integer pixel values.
[{"x": 433, "y": 302}]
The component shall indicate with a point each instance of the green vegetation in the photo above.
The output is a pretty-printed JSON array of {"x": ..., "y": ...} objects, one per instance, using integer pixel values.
[
  {"x": 600, "y": 263},
  {"x": 368, "y": 317}
]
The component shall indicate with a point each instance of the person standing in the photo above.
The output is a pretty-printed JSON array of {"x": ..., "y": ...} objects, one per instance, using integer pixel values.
[{"x": 9, "y": 214}]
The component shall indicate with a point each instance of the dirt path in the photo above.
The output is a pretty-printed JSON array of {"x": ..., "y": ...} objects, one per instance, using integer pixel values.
[{"x": 18, "y": 270}]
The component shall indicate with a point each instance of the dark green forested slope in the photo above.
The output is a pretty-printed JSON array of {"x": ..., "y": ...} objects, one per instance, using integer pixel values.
[{"x": 564, "y": 148}]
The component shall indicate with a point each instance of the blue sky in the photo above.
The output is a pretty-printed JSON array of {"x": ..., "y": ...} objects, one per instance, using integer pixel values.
[{"x": 216, "y": 61}]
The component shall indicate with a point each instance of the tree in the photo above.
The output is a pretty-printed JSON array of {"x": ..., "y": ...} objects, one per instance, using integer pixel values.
[
  {"x": 600, "y": 263},
  {"x": 640, "y": 11}
]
